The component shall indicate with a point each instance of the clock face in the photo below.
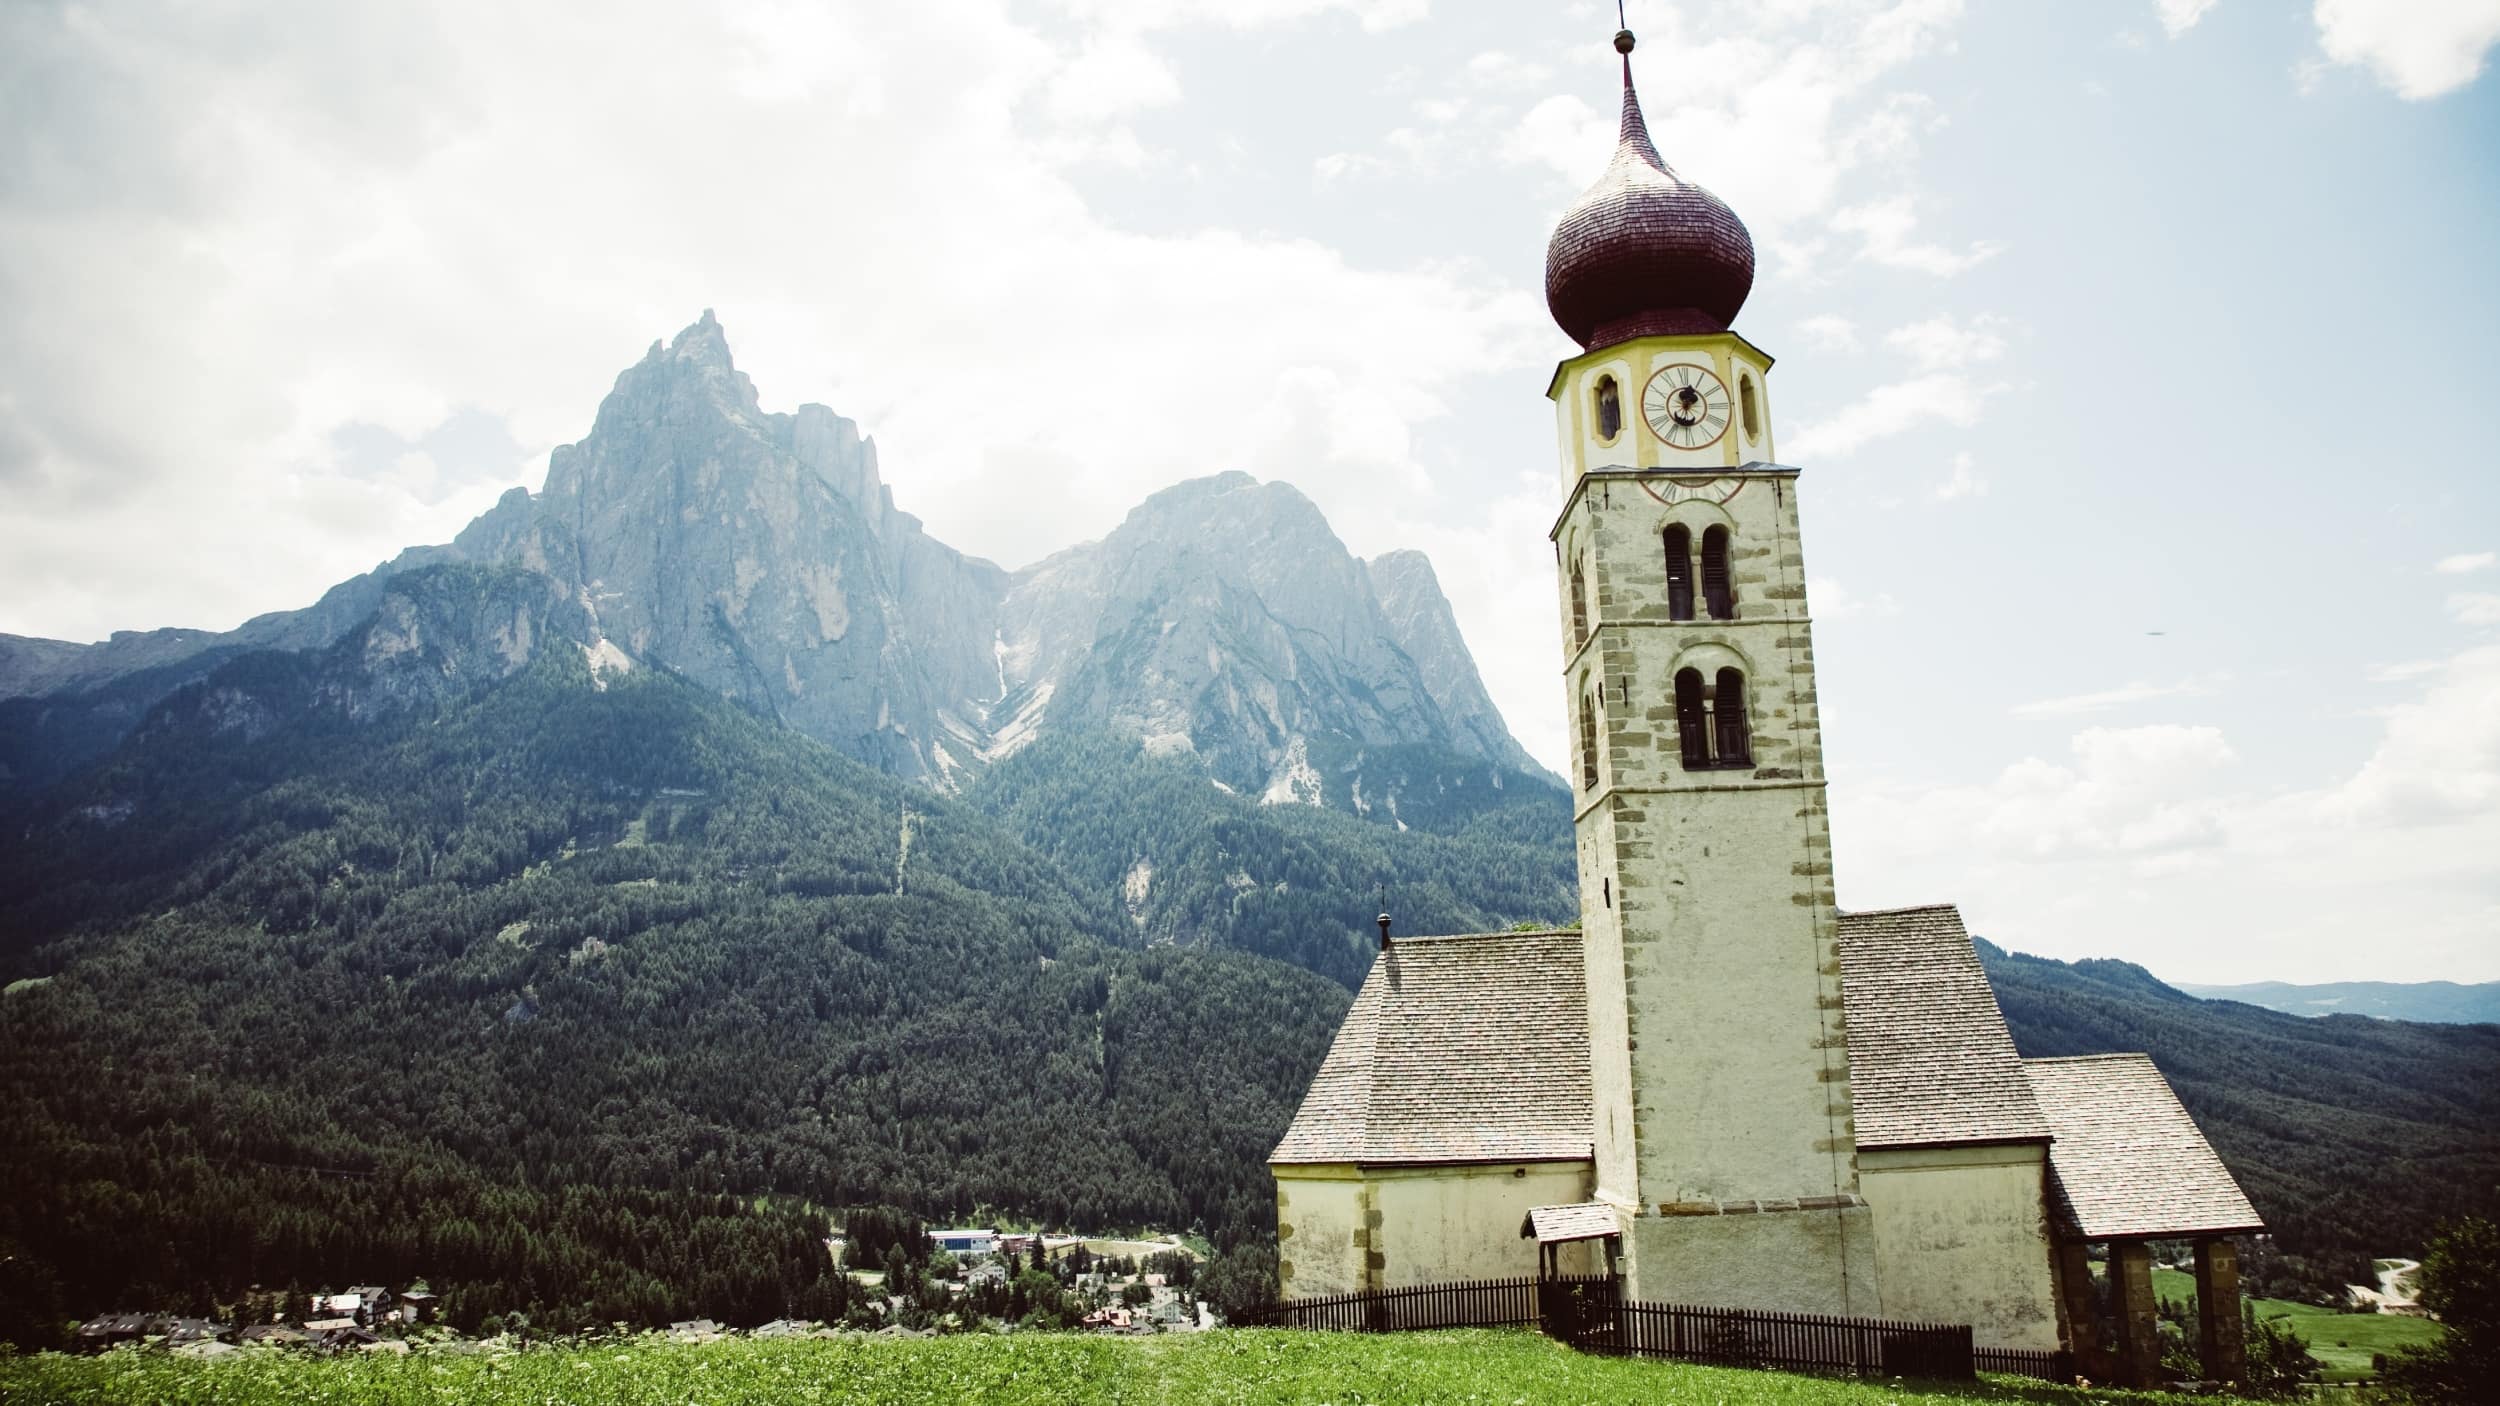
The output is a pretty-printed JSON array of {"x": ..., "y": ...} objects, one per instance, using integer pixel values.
[{"x": 1686, "y": 406}]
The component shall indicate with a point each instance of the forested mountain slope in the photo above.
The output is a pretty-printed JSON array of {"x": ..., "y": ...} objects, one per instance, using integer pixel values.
[
  {"x": 2354, "y": 1137},
  {"x": 1469, "y": 848},
  {"x": 463, "y": 949},
  {"x": 2440, "y": 1002}
]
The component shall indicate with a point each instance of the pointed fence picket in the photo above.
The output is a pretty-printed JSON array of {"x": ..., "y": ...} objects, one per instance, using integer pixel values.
[{"x": 1589, "y": 1312}]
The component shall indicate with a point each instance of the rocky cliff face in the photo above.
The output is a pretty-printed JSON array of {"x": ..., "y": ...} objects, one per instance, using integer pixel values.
[
  {"x": 761, "y": 555},
  {"x": 1421, "y": 622},
  {"x": 1224, "y": 619},
  {"x": 758, "y": 554},
  {"x": 435, "y": 632}
]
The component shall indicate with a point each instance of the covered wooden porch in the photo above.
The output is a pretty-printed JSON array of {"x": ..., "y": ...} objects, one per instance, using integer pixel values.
[{"x": 2128, "y": 1167}]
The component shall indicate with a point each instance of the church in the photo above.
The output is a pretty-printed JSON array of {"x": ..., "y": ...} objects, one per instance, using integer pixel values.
[{"x": 1722, "y": 1086}]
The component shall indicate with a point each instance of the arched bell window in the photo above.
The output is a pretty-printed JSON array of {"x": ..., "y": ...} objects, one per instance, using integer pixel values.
[
  {"x": 1727, "y": 711},
  {"x": 1579, "y": 607},
  {"x": 1745, "y": 407},
  {"x": 1609, "y": 408},
  {"x": 1679, "y": 572},
  {"x": 1711, "y": 727},
  {"x": 1588, "y": 743},
  {"x": 1692, "y": 720},
  {"x": 1716, "y": 588}
]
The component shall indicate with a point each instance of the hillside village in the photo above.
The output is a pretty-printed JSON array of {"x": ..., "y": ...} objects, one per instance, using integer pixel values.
[{"x": 912, "y": 1281}]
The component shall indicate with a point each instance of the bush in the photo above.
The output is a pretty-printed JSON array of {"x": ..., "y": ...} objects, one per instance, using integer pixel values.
[
  {"x": 2460, "y": 1282},
  {"x": 1241, "y": 1281},
  {"x": 30, "y": 1303},
  {"x": 2279, "y": 1364}
]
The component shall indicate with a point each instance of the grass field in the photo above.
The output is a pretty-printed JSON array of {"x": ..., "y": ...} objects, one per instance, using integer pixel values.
[
  {"x": 1240, "y": 1368},
  {"x": 2342, "y": 1341}
]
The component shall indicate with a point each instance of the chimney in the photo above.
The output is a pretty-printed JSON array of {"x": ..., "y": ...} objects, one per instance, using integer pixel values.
[{"x": 1384, "y": 932}]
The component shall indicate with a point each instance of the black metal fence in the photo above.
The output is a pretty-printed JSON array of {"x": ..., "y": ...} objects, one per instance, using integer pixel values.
[
  {"x": 2057, "y": 1366},
  {"x": 1737, "y": 1337},
  {"x": 1589, "y": 1313}
]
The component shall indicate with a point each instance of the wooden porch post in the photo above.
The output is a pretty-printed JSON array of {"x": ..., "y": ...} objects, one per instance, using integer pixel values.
[
  {"x": 2139, "y": 1330},
  {"x": 2221, "y": 1346},
  {"x": 2076, "y": 1306}
]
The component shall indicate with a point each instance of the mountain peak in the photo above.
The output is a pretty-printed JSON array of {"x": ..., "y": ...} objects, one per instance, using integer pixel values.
[
  {"x": 694, "y": 365},
  {"x": 704, "y": 343}
]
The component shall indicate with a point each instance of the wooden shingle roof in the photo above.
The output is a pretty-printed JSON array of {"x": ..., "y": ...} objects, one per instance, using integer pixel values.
[
  {"x": 1930, "y": 1060},
  {"x": 1561, "y": 1225},
  {"x": 1457, "y": 1049},
  {"x": 2128, "y": 1162}
]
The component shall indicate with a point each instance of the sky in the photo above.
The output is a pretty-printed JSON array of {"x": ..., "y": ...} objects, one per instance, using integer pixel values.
[{"x": 2138, "y": 356}]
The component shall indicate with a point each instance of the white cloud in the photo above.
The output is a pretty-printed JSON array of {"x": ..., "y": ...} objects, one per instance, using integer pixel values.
[
  {"x": 322, "y": 216},
  {"x": 1833, "y": 601},
  {"x": 2105, "y": 699},
  {"x": 1776, "y": 110},
  {"x": 1345, "y": 165},
  {"x": 2147, "y": 844},
  {"x": 1374, "y": 15},
  {"x": 1829, "y": 334},
  {"x": 2466, "y": 563},
  {"x": 2419, "y": 49},
  {"x": 1965, "y": 481},
  {"x": 1110, "y": 76},
  {"x": 1944, "y": 344},
  {"x": 2440, "y": 757},
  {"x": 1496, "y": 69},
  {"x": 2180, "y": 16},
  {"x": 2406, "y": 671},
  {"x": 1942, "y": 352},
  {"x": 2475, "y": 608},
  {"x": 1938, "y": 397},
  {"x": 1885, "y": 229}
]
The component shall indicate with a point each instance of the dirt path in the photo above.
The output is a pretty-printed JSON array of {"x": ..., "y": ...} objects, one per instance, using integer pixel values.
[{"x": 2395, "y": 1291}]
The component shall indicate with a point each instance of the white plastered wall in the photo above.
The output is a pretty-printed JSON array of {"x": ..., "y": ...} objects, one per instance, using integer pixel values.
[
  {"x": 1343, "y": 1228},
  {"x": 1962, "y": 1236}
]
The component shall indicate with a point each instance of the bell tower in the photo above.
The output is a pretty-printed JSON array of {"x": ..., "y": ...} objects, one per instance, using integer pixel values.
[{"x": 1720, "y": 1063}]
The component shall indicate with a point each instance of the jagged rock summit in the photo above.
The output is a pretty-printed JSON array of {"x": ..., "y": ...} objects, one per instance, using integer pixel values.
[{"x": 761, "y": 554}]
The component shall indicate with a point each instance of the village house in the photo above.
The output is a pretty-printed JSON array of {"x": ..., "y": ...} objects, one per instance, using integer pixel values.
[
  {"x": 1721, "y": 1086},
  {"x": 112, "y": 1329},
  {"x": 965, "y": 1242}
]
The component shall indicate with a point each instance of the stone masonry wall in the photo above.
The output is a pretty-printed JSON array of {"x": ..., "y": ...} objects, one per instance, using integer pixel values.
[{"x": 1720, "y": 1059}]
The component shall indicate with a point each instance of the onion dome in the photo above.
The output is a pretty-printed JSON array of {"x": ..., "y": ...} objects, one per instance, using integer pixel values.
[{"x": 1645, "y": 251}]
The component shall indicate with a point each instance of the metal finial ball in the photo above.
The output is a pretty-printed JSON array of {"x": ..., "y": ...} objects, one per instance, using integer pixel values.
[{"x": 1623, "y": 41}]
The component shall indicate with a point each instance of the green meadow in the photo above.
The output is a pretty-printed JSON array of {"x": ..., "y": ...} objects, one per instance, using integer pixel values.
[
  {"x": 1238, "y": 1367},
  {"x": 2344, "y": 1342}
]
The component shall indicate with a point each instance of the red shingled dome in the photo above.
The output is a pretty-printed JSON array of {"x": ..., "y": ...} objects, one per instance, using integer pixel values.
[{"x": 1645, "y": 251}]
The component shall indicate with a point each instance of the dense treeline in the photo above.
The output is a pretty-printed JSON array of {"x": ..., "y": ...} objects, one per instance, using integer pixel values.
[
  {"x": 1481, "y": 851},
  {"x": 2354, "y": 1137},
  {"x": 573, "y": 999}
]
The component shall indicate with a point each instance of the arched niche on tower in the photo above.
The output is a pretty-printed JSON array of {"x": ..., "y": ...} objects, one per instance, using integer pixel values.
[
  {"x": 1710, "y": 656},
  {"x": 1697, "y": 514},
  {"x": 1584, "y": 442},
  {"x": 1577, "y": 571}
]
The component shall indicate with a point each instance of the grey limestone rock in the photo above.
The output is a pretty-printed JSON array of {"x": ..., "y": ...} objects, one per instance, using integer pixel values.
[
  {"x": 1421, "y": 621},
  {"x": 761, "y": 554},
  {"x": 1222, "y": 618}
]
